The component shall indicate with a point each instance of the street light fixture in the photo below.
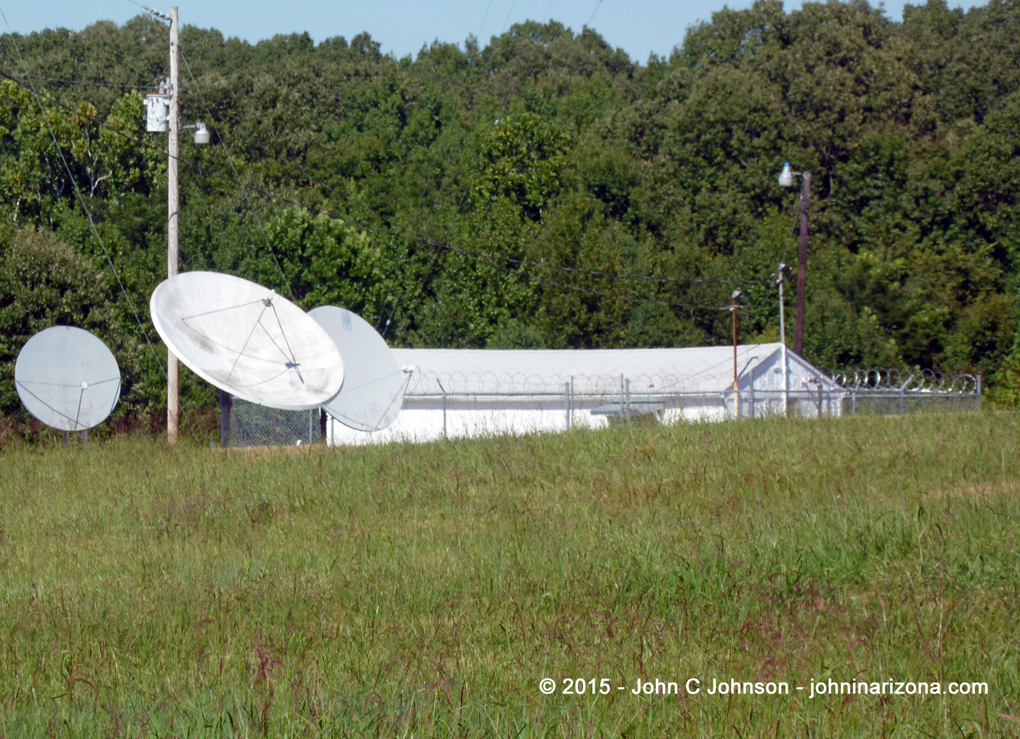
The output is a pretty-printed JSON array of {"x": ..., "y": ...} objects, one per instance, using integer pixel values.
[
  {"x": 786, "y": 176},
  {"x": 201, "y": 133},
  {"x": 786, "y": 180}
]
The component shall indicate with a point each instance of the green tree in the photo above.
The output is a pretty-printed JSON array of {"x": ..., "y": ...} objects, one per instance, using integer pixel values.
[
  {"x": 326, "y": 262},
  {"x": 44, "y": 283}
]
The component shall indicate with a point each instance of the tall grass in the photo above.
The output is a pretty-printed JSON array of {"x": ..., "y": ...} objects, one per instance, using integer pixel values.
[{"x": 426, "y": 590}]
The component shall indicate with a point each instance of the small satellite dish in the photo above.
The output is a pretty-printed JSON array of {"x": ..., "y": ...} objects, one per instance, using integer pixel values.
[
  {"x": 247, "y": 340},
  {"x": 67, "y": 378},
  {"x": 373, "y": 391}
]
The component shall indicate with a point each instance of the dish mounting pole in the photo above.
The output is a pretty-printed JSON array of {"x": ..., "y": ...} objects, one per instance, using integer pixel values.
[{"x": 173, "y": 222}]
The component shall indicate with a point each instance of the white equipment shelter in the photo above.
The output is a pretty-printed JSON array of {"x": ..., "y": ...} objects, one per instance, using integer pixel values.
[{"x": 473, "y": 392}]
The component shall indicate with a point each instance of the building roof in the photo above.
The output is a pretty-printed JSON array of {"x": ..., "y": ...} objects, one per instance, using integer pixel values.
[{"x": 593, "y": 371}]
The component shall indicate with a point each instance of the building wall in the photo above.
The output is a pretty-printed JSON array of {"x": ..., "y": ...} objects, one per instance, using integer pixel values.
[
  {"x": 427, "y": 424},
  {"x": 462, "y": 419},
  {"x": 492, "y": 413}
]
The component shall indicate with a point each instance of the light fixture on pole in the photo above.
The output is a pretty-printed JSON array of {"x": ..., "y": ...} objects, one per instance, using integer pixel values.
[
  {"x": 201, "y": 133},
  {"x": 163, "y": 114},
  {"x": 786, "y": 180}
]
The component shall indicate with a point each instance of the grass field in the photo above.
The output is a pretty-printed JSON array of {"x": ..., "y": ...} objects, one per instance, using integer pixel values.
[{"x": 419, "y": 591}]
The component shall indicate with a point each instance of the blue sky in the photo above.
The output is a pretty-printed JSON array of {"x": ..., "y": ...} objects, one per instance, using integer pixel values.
[{"x": 640, "y": 27}]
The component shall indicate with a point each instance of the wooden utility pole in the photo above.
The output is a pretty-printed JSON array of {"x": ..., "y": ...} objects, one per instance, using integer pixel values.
[
  {"x": 798, "y": 330},
  {"x": 173, "y": 418},
  {"x": 782, "y": 339}
]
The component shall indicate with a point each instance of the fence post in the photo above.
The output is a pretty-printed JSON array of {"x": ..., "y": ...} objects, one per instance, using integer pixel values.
[
  {"x": 623, "y": 398},
  {"x": 627, "y": 398},
  {"x": 444, "y": 406},
  {"x": 570, "y": 422},
  {"x": 978, "y": 384},
  {"x": 571, "y": 401},
  {"x": 226, "y": 406}
]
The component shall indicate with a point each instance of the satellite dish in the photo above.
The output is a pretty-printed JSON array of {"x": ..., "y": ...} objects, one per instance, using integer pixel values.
[
  {"x": 67, "y": 378},
  {"x": 247, "y": 340},
  {"x": 373, "y": 391}
]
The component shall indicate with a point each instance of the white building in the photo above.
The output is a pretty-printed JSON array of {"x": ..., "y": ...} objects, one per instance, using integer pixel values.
[{"x": 473, "y": 392}]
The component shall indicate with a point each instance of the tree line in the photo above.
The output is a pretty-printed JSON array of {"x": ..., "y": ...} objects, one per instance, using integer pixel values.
[{"x": 542, "y": 191}]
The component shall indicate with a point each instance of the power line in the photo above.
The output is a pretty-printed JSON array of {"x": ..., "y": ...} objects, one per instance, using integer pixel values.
[
  {"x": 404, "y": 234},
  {"x": 442, "y": 185},
  {"x": 244, "y": 190},
  {"x": 484, "y": 18},
  {"x": 539, "y": 265},
  {"x": 627, "y": 298},
  {"x": 612, "y": 275},
  {"x": 409, "y": 233},
  {"x": 82, "y": 83},
  {"x": 161, "y": 16},
  {"x": 81, "y": 200},
  {"x": 509, "y": 13}
]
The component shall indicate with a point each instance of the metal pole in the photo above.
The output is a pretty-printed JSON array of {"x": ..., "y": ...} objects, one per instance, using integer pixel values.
[
  {"x": 736, "y": 388},
  {"x": 173, "y": 212},
  {"x": 444, "y": 406},
  {"x": 571, "y": 391},
  {"x": 226, "y": 404},
  {"x": 623, "y": 396},
  {"x": 805, "y": 201},
  {"x": 566, "y": 389},
  {"x": 782, "y": 339}
]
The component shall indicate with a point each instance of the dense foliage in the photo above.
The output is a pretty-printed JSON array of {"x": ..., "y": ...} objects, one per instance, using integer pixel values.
[{"x": 492, "y": 197}]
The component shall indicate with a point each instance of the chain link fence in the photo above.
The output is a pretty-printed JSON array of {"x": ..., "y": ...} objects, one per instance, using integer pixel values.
[
  {"x": 890, "y": 391},
  {"x": 465, "y": 405},
  {"x": 251, "y": 425}
]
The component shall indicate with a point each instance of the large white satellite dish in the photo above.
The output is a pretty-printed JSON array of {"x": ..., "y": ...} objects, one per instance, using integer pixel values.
[
  {"x": 247, "y": 340},
  {"x": 373, "y": 391},
  {"x": 67, "y": 378}
]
